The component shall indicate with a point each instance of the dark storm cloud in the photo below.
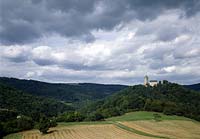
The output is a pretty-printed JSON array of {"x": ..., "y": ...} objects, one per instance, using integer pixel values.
[
  {"x": 23, "y": 21},
  {"x": 152, "y": 8},
  {"x": 84, "y": 6}
]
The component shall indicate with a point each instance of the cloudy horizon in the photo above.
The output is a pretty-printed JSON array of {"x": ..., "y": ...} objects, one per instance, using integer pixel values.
[{"x": 100, "y": 41}]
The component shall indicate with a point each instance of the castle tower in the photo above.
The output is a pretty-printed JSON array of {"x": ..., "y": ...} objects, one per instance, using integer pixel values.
[{"x": 146, "y": 80}]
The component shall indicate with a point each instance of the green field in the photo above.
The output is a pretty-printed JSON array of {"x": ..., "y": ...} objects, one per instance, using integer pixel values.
[
  {"x": 132, "y": 116},
  {"x": 60, "y": 124},
  {"x": 14, "y": 136},
  {"x": 143, "y": 115}
]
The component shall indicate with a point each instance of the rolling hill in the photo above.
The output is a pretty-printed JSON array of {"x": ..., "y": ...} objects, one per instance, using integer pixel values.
[
  {"x": 63, "y": 92},
  {"x": 29, "y": 105},
  {"x": 195, "y": 87},
  {"x": 22, "y": 111},
  {"x": 169, "y": 98}
]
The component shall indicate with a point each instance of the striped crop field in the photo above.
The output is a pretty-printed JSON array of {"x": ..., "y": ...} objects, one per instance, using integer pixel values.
[
  {"x": 175, "y": 129},
  {"x": 108, "y": 131}
]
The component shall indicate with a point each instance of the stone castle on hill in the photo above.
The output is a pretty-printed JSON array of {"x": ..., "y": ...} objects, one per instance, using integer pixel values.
[{"x": 152, "y": 82}]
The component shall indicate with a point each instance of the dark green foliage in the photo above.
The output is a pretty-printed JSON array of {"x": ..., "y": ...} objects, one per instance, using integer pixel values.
[
  {"x": 1, "y": 131},
  {"x": 24, "y": 123},
  {"x": 15, "y": 104},
  {"x": 169, "y": 98},
  {"x": 53, "y": 123},
  {"x": 70, "y": 117},
  {"x": 154, "y": 105},
  {"x": 171, "y": 108},
  {"x": 18, "y": 124},
  {"x": 157, "y": 117},
  {"x": 25, "y": 104},
  {"x": 10, "y": 122},
  {"x": 64, "y": 92},
  {"x": 95, "y": 116},
  {"x": 7, "y": 115},
  {"x": 44, "y": 124}
]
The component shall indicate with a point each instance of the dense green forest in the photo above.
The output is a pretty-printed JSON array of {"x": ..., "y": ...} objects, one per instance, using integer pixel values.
[
  {"x": 29, "y": 105},
  {"x": 169, "y": 98},
  {"x": 20, "y": 111},
  {"x": 64, "y": 92}
]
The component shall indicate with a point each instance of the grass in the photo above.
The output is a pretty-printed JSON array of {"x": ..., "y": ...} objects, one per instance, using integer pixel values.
[
  {"x": 13, "y": 136},
  {"x": 132, "y": 116},
  {"x": 82, "y": 123},
  {"x": 143, "y": 115}
]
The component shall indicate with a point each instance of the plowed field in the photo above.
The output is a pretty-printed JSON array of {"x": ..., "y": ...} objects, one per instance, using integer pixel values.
[{"x": 85, "y": 132}]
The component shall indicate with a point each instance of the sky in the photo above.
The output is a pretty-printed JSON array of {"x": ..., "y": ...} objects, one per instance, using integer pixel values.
[{"x": 100, "y": 41}]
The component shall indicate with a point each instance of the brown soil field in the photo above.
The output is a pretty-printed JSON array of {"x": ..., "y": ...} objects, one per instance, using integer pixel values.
[
  {"x": 107, "y": 131},
  {"x": 173, "y": 129}
]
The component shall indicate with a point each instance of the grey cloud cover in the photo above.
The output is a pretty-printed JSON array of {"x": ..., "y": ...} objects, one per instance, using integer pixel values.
[
  {"x": 102, "y": 41},
  {"x": 24, "y": 21}
]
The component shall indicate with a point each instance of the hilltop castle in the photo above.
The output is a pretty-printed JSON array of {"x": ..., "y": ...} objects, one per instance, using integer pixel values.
[{"x": 151, "y": 82}]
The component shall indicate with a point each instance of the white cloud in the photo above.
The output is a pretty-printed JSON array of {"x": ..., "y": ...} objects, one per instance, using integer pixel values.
[
  {"x": 182, "y": 39},
  {"x": 15, "y": 53},
  {"x": 30, "y": 74},
  {"x": 122, "y": 55},
  {"x": 169, "y": 69}
]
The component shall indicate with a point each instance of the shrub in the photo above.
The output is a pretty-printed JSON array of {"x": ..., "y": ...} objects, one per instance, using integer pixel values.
[
  {"x": 157, "y": 117},
  {"x": 44, "y": 124}
]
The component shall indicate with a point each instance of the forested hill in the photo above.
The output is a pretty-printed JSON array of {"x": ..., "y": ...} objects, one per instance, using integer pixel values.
[
  {"x": 64, "y": 92},
  {"x": 168, "y": 98},
  {"x": 26, "y": 104},
  {"x": 21, "y": 111},
  {"x": 193, "y": 86}
]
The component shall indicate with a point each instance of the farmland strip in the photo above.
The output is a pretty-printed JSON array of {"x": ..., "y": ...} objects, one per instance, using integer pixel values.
[{"x": 137, "y": 131}]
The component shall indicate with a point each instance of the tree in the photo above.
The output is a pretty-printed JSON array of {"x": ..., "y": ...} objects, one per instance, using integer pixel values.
[
  {"x": 96, "y": 116},
  {"x": 53, "y": 123},
  {"x": 44, "y": 124},
  {"x": 24, "y": 123}
]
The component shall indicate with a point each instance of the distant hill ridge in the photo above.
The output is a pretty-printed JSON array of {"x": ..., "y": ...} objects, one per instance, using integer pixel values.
[
  {"x": 63, "y": 91},
  {"x": 23, "y": 103},
  {"x": 195, "y": 87}
]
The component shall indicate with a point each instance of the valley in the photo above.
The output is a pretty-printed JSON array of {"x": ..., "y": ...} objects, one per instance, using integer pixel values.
[{"x": 167, "y": 110}]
